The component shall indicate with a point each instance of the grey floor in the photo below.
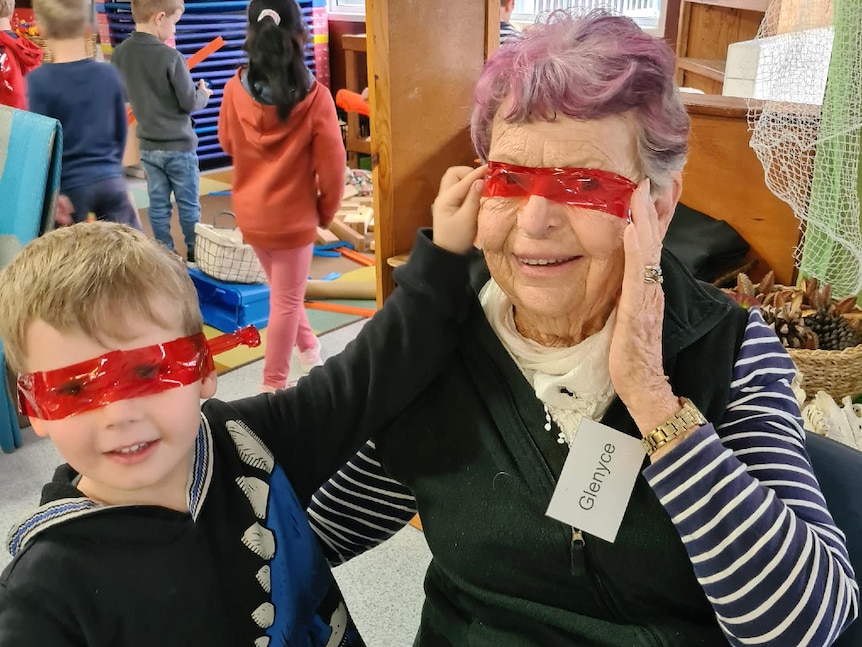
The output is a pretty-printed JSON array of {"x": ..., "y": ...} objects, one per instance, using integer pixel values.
[{"x": 383, "y": 587}]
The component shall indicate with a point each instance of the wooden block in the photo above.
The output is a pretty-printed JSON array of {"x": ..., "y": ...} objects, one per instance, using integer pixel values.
[
  {"x": 358, "y": 220},
  {"x": 348, "y": 235},
  {"x": 325, "y": 237},
  {"x": 350, "y": 203},
  {"x": 395, "y": 261},
  {"x": 350, "y": 191},
  {"x": 356, "y": 225},
  {"x": 340, "y": 290},
  {"x": 367, "y": 215}
]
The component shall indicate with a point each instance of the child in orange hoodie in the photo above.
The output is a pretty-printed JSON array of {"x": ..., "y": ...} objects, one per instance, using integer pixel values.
[
  {"x": 17, "y": 57},
  {"x": 281, "y": 129}
]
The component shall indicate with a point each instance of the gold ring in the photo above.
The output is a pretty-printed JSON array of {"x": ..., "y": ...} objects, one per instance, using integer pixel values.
[{"x": 653, "y": 274}]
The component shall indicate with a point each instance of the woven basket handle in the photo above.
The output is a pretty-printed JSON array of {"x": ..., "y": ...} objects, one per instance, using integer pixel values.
[{"x": 223, "y": 213}]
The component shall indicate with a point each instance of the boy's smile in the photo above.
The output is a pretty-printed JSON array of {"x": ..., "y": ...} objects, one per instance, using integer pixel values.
[{"x": 130, "y": 451}]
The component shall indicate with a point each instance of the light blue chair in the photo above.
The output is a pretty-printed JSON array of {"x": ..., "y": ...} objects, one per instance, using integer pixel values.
[{"x": 31, "y": 149}]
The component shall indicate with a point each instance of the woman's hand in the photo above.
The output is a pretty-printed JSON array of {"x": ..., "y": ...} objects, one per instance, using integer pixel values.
[
  {"x": 456, "y": 208},
  {"x": 636, "y": 366}
]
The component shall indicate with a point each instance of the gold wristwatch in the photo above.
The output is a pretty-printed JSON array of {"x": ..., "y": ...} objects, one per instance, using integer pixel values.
[{"x": 685, "y": 418}]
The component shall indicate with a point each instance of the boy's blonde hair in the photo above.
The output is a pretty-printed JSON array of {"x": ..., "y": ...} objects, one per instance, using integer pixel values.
[
  {"x": 61, "y": 18},
  {"x": 143, "y": 10},
  {"x": 93, "y": 278},
  {"x": 6, "y": 8}
]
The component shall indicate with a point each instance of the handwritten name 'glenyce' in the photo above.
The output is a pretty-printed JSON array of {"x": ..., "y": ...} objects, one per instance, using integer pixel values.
[{"x": 603, "y": 470}]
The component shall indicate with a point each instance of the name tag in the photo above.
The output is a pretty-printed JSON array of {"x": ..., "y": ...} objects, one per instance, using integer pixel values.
[{"x": 597, "y": 480}]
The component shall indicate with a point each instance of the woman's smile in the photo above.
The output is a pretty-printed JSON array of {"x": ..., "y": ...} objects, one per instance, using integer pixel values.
[{"x": 544, "y": 265}]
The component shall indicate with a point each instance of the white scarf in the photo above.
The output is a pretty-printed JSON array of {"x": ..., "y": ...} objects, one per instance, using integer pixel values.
[{"x": 573, "y": 383}]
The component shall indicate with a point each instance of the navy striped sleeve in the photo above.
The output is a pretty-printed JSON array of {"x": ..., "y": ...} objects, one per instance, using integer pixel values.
[
  {"x": 359, "y": 508},
  {"x": 750, "y": 512}
]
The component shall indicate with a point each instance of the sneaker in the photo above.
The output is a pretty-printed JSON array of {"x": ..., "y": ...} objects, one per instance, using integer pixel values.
[
  {"x": 190, "y": 256},
  {"x": 310, "y": 358}
]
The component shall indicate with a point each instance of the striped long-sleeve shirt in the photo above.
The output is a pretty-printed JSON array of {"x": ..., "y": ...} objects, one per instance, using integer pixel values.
[{"x": 742, "y": 495}]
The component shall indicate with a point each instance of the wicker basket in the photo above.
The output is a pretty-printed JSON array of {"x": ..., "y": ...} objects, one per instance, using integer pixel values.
[
  {"x": 90, "y": 43},
  {"x": 221, "y": 254},
  {"x": 838, "y": 372}
]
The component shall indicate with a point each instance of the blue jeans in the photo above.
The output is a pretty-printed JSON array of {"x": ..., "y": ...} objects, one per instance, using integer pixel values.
[{"x": 177, "y": 172}]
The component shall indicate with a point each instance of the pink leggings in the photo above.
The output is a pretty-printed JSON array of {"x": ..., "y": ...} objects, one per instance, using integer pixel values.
[{"x": 287, "y": 271}]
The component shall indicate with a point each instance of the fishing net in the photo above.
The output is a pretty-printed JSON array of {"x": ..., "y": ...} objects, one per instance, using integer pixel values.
[{"x": 806, "y": 123}]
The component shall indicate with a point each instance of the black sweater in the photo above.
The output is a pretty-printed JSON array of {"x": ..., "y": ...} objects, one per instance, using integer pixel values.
[
  {"x": 242, "y": 567},
  {"x": 483, "y": 468}
]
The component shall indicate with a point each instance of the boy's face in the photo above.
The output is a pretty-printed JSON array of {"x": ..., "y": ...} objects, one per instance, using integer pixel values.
[
  {"x": 137, "y": 450},
  {"x": 166, "y": 25}
]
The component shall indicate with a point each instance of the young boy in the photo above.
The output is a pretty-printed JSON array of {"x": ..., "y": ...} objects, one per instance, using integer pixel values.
[
  {"x": 86, "y": 97},
  {"x": 174, "y": 524},
  {"x": 163, "y": 96},
  {"x": 17, "y": 57},
  {"x": 508, "y": 31}
]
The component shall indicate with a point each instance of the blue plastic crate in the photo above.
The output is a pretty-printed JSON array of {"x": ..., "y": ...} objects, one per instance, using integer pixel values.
[{"x": 228, "y": 306}]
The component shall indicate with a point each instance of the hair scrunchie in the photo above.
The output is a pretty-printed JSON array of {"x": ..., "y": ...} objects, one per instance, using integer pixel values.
[{"x": 269, "y": 13}]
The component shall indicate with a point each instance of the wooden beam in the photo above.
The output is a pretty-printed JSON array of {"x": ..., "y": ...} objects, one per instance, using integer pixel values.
[
  {"x": 424, "y": 63},
  {"x": 492, "y": 27}
]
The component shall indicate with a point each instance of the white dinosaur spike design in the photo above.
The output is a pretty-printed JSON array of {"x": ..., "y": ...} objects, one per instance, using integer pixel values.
[
  {"x": 251, "y": 450},
  {"x": 260, "y": 540},
  {"x": 263, "y": 641},
  {"x": 264, "y": 615},
  {"x": 338, "y": 622},
  {"x": 257, "y": 492},
  {"x": 264, "y": 578}
]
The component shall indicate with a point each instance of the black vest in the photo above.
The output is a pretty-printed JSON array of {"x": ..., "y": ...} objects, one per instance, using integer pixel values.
[{"x": 475, "y": 453}]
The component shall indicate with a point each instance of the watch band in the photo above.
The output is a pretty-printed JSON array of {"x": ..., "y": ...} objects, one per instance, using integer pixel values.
[{"x": 686, "y": 418}]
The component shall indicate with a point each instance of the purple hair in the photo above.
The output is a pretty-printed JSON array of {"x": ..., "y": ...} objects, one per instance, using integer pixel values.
[{"x": 588, "y": 67}]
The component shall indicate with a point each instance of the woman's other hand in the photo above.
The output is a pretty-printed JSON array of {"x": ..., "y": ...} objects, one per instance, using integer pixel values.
[
  {"x": 456, "y": 208},
  {"x": 636, "y": 366}
]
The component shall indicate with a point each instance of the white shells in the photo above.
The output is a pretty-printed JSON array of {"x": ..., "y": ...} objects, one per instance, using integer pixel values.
[
  {"x": 264, "y": 578},
  {"x": 260, "y": 540},
  {"x": 264, "y": 615},
  {"x": 251, "y": 450},
  {"x": 257, "y": 492}
]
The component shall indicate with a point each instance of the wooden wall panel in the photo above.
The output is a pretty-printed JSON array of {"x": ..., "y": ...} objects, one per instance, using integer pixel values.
[
  {"x": 424, "y": 60},
  {"x": 724, "y": 179}
]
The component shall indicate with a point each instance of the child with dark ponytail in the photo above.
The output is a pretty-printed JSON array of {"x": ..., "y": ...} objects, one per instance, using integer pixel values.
[{"x": 279, "y": 125}]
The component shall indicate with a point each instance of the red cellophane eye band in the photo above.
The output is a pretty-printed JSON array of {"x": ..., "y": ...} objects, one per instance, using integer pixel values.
[
  {"x": 120, "y": 375},
  {"x": 581, "y": 187}
]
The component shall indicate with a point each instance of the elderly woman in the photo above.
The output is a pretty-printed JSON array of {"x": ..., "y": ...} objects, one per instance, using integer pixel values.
[{"x": 580, "y": 317}]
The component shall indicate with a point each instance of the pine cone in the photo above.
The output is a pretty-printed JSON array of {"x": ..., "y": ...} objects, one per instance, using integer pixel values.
[
  {"x": 767, "y": 283},
  {"x": 790, "y": 326},
  {"x": 833, "y": 331},
  {"x": 744, "y": 285}
]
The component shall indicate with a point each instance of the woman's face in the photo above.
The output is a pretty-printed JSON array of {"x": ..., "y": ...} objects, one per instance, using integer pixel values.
[{"x": 554, "y": 260}]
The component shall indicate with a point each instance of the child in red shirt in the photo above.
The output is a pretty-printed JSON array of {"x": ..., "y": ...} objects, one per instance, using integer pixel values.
[{"x": 17, "y": 57}]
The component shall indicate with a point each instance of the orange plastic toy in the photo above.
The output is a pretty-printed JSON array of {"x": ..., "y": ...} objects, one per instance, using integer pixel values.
[{"x": 352, "y": 102}]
